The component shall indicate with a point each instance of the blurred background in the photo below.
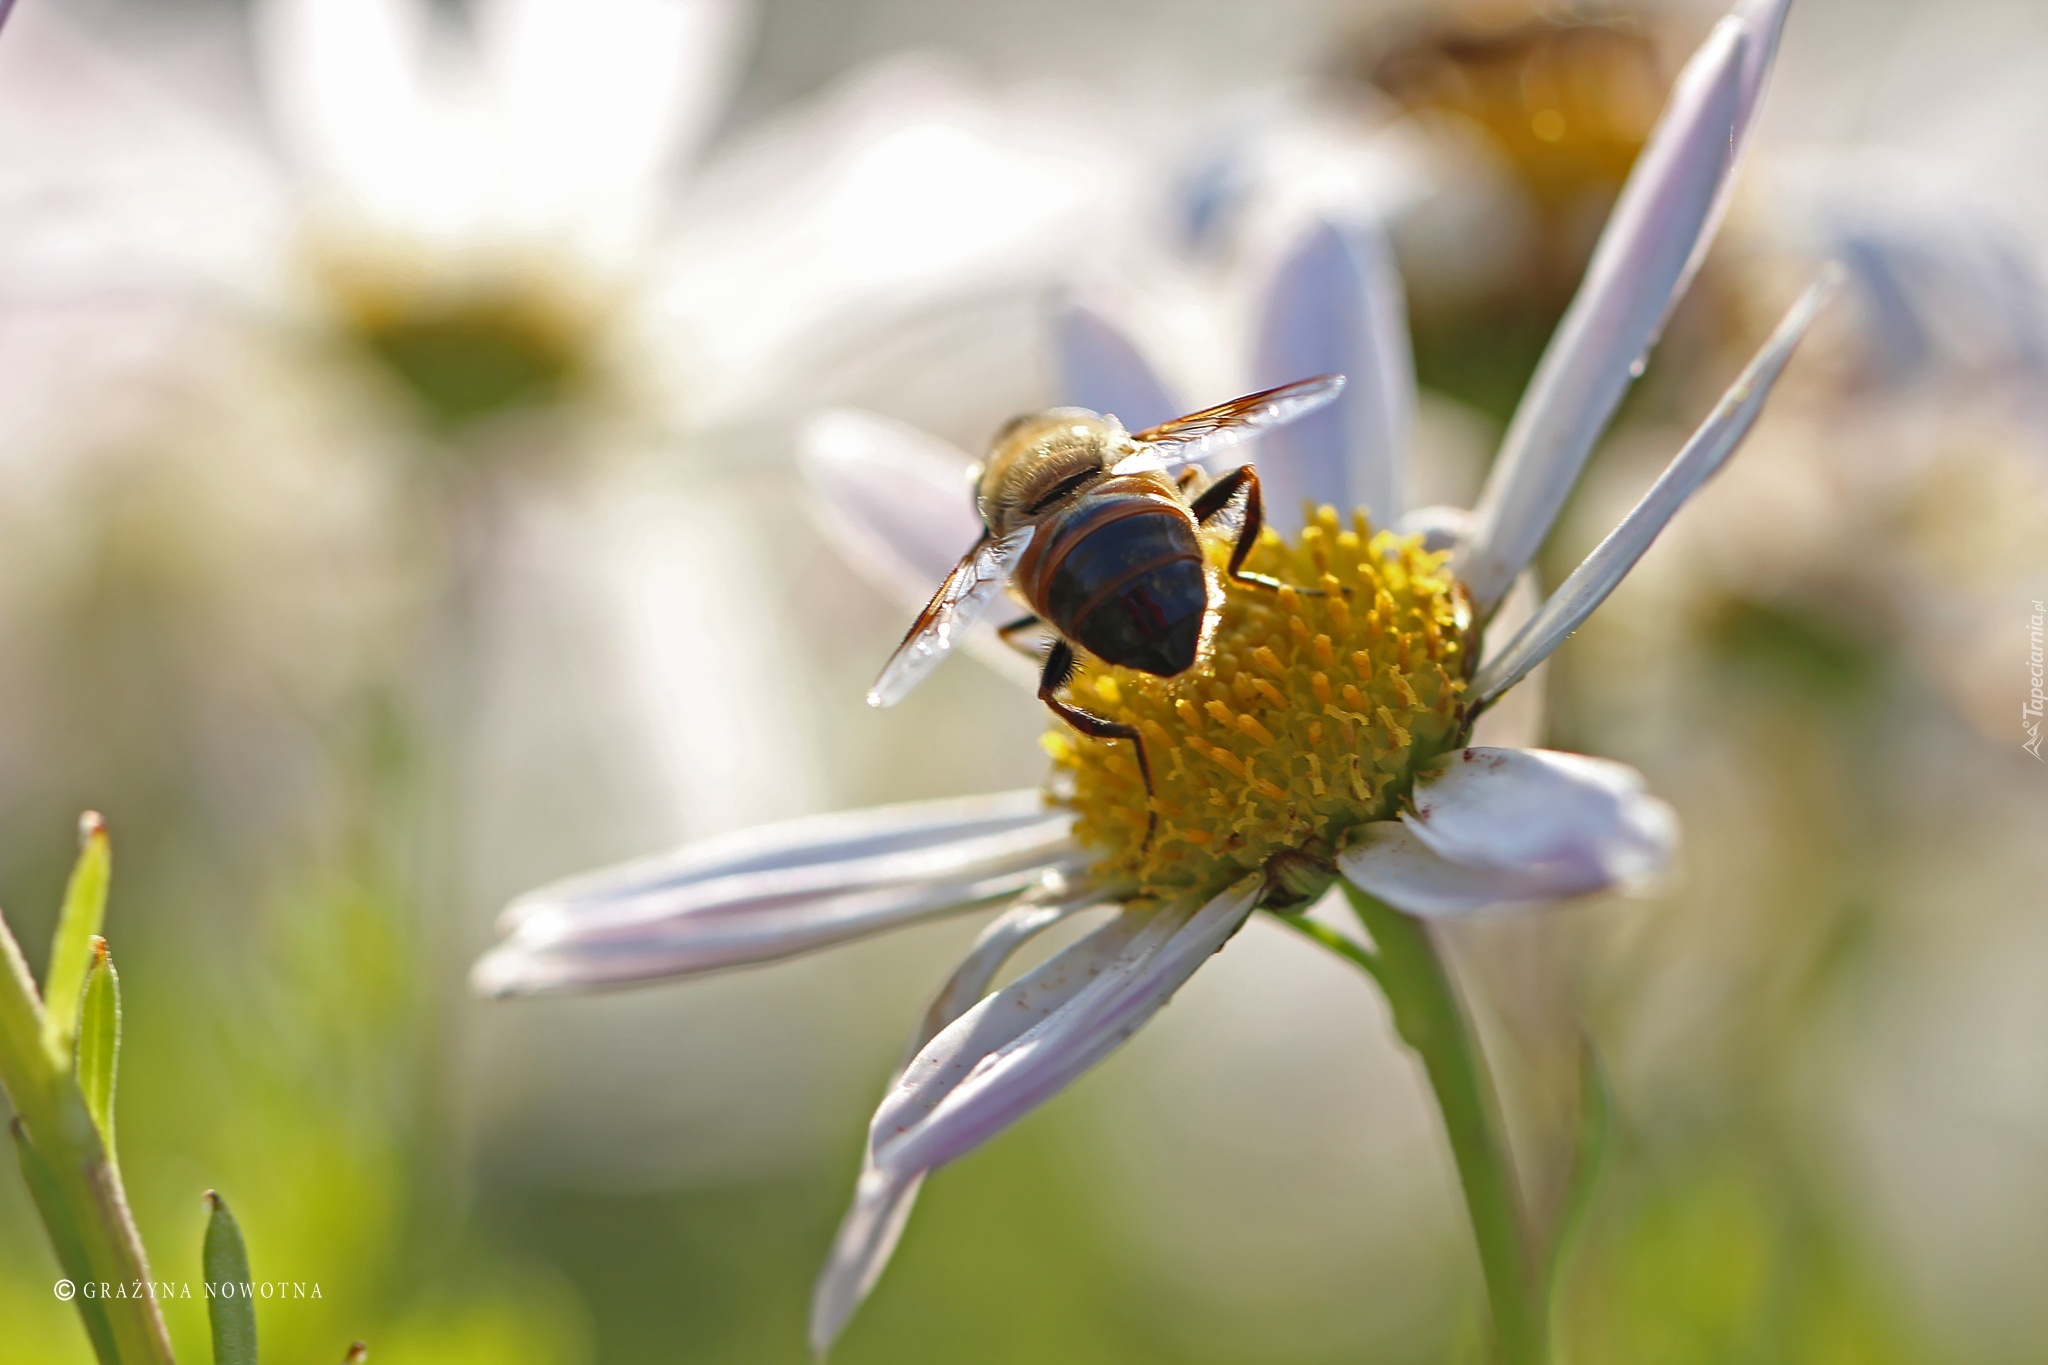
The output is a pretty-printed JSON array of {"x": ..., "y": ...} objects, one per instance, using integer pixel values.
[{"x": 398, "y": 509}]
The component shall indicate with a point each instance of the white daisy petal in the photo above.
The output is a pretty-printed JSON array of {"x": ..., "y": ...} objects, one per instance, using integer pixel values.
[
  {"x": 881, "y": 1204},
  {"x": 896, "y": 502},
  {"x": 344, "y": 77},
  {"x": 882, "y": 1199},
  {"x": 1603, "y": 569},
  {"x": 995, "y": 945},
  {"x": 1947, "y": 287},
  {"x": 1010, "y": 1053},
  {"x": 813, "y": 233},
  {"x": 861, "y": 1250},
  {"x": 1764, "y": 21},
  {"x": 773, "y": 892},
  {"x": 960, "y": 1091},
  {"x": 1652, "y": 245},
  {"x": 1102, "y": 369},
  {"x": 596, "y": 97},
  {"x": 1512, "y": 829},
  {"x": 1335, "y": 306},
  {"x": 899, "y": 506},
  {"x": 1441, "y": 528}
]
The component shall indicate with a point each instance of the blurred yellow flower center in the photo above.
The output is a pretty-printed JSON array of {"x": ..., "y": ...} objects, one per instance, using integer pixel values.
[
  {"x": 467, "y": 345},
  {"x": 1308, "y": 717},
  {"x": 1570, "y": 101}
]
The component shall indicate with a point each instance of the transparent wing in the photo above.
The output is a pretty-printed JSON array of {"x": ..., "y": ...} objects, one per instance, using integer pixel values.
[
  {"x": 974, "y": 583},
  {"x": 1200, "y": 434}
]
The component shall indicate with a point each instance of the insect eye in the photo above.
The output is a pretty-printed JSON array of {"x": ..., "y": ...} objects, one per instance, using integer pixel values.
[{"x": 1060, "y": 490}]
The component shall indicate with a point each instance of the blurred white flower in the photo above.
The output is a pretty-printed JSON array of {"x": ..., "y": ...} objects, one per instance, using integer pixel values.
[
  {"x": 434, "y": 230},
  {"x": 526, "y": 211},
  {"x": 521, "y": 186}
]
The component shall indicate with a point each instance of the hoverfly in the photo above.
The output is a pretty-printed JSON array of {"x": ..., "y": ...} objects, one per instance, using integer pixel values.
[{"x": 1091, "y": 528}]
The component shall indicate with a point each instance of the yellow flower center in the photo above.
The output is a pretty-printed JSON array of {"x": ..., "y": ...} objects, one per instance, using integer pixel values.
[
  {"x": 467, "y": 344},
  {"x": 1568, "y": 101},
  {"x": 1309, "y": 717}
]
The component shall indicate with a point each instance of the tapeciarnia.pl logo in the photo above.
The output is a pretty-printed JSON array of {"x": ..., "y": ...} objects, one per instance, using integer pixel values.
[{"x": 2037, "y": 671}]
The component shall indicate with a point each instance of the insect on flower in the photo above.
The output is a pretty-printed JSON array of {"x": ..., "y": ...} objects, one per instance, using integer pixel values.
[
  {"x": 1088, "y": 525},
  {"x": 1321, "y": 732}
]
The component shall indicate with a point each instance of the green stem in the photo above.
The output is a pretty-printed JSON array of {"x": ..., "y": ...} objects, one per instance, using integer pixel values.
[
  {"x": 1432, "y": 1020},
  {"x": 73, "y": 1177},
  {"x": 1334, "y": 941}
]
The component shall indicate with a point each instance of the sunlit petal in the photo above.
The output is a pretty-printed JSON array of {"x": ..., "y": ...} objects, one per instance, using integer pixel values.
[
  {"x": 1764, "y": 22},
  {"x": 120, "y": 195},
  {"x": 882, "y": 1198},
  {"x": 881, "y": 1203},
  {"x": 773, "y": 892},
  {"x": 1514, "y": 828},
  {"x": 898, "y": 505},
  {"x": 1101, "y": 368},
  {"x": 879, "y": 199},
  {"x": 959, "y": 1092},
  {"x": 1015, "y": 927},
  {"x": 1652, "y": 245},
  {"x": 595, "y": 98},
  {"x": 1336, "y": 307},
  {"x": 861, "y": 1250},
  {"x": 1702, "y": 457},
  {"x": 345, "y": 78},
  {"x": 896, "y": 502}
]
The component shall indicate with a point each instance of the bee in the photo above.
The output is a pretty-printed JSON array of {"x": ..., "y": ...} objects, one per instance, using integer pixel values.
[{"x": 1091, "y": 529}]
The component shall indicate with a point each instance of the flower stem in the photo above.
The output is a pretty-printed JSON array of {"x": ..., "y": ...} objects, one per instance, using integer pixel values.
[
  {"x": 1432, "y": 1020},
  {"x": 73, "y": 1178}
]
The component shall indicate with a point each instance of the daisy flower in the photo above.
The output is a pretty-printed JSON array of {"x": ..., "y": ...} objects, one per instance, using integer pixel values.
[
  {"x": 429, "y": 237},
  {"x": 499, "y": 221},
  {"x": 1322, "y": 742},
  {"x": 523, "y": 207}
]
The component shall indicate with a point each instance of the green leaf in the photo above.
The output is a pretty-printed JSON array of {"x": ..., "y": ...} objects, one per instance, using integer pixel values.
[
  {"x": 85, "y": 907},
  {"x": 228, "y": 1301},
  {"x": 99, "y": 1042},
  {"x": 65, "y": 1240},
  {"x": 24, "y": 1069}
]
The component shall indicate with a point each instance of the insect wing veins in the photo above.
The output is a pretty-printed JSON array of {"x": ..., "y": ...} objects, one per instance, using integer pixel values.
[
  {"x": 1200, "y": 434},
  {"x": 975, "y": 582}
]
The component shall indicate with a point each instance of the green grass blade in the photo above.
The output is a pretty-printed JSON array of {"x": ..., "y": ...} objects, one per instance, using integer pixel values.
[
  {"x": 85, "y": 907},
  {"x": 1595, "y": 1142},
  {"x": 228, "y": 1302},
  {"x": 99, "y": 1042},
  {"x": 65, "y": 1240}
]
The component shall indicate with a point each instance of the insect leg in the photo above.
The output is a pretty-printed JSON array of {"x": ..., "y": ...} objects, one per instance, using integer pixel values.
[
  {"x": 1017, "y": 627},
  {"x": 1220, "y": 495},
  {"x": 1059, "y": 671}
]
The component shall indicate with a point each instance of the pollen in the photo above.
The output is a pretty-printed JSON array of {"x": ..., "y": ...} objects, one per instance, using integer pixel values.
[{"x": 1306, "y": 718}]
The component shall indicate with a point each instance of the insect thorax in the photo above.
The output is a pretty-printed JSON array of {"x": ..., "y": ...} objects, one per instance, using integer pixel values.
[{"x": 1035, "y": 460}]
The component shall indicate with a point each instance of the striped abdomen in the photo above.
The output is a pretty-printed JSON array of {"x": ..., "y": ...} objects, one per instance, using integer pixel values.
[{"x": 1124, "y": 578}]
